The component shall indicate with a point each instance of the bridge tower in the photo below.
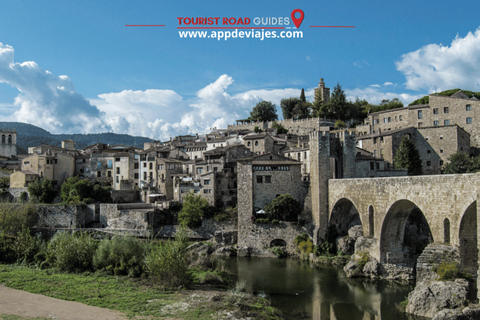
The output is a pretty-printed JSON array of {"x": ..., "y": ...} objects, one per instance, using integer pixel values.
[
  {"x": 319, "y": 175},
  {"x": 349, "y": 154}
]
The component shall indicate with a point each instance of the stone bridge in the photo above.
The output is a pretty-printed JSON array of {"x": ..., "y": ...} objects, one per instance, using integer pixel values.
[{"x": 446, "y": 205}]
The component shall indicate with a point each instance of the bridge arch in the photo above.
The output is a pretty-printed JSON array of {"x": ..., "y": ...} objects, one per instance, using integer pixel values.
[
  {"x": 405, "y": 233},
  {"x": 343, "y": 216},
  {"x": 468, "y": 240}
]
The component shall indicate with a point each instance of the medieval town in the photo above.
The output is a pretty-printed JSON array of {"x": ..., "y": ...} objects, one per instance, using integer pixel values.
[{"x": 305, "y": 187}]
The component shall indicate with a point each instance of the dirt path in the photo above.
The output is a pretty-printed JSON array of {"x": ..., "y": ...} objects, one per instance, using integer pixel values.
[{"x": 25, "y": 304}]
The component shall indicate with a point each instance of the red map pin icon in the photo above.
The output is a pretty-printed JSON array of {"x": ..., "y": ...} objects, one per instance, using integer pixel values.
[{"x": 297, "y": 21}]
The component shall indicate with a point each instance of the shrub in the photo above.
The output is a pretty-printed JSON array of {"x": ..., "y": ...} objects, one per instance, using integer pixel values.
[
  {"x": 300, "y": 238},
  {"x": 193, "y": 210},
  {"x": 71, "y": 252},
  {"x": 25, "y": 246},
  {"x": 42, "y": 191},
  {"x": 7, "y": 255},
  {"x": 306, "y": 247},
  {"x": 284, "y": 207},
  {"x": 168, "y": 262},
  {"x": 449, "y": 271},
  {"x": 237, "y": 295},
  {"x": 23, "y": 197},
  {"x": 364, "y": 257},
  {"x": 279, "y": 252},
  {"x": 275, "y": 222},
  {"x": 120, "y": 256},
  {"x": 325, "y": 249},
  {"x": 14, "y": 217}
]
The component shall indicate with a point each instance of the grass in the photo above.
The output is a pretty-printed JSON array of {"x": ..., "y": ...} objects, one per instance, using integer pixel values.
[
  {"x": 136, "y": 298},
  {"x": 117, "y": 293}
]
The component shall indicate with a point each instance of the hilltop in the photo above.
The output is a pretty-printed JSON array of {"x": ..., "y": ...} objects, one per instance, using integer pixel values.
[
  {"x": 446, "y": 93},
  {"x": 29, "y": 135}
]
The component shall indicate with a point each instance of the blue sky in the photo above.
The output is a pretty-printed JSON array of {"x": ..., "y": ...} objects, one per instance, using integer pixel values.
[{"x": 73, "y": 66}]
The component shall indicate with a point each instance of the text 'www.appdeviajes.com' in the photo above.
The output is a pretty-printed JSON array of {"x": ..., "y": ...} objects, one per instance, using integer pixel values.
[{"x": 241, "y": 34}]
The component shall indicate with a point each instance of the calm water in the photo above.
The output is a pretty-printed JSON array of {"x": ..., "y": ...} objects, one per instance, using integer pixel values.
[{"x": 299, "y": 288}]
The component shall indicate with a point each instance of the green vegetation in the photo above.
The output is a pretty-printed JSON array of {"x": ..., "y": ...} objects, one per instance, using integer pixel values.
[
  {"x": 449, "y": 271},
  {"x": 42, "y": 191},
  {"x": 364, "y": 257},
  {"x": 13, "y": 217},
  {"x": 75, "y": 190},
  {"x": 460, "y": 162},
  {"x": 279, "y": 252},
  {"x": 284, "y": 208},
  {"x": 167, "y": 262},
  {"x": 193, "y": 210},
  {"x": 279, "y": 127},
  {"x": 72, "y": 252},
  {"x": 120, "y": 256},
  {"x": 305, "y": 244},
  {"x": 408, "y": 157},
  {"x": 295, "y": 108},
  {"x": 326, "y": 249},
  {"x": 446, "y": 93},
  {"x": 264, "y": 111}
]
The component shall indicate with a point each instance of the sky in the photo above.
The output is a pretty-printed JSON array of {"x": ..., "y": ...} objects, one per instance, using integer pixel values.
[{"x": 78, "y": 67}]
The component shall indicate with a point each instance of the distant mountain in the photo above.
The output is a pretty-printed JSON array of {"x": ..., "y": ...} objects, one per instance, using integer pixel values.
[{"x": 29, "y": 135}]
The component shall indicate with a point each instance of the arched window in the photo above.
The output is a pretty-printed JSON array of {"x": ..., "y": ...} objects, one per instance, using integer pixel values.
[
  {"x": 371, "y": 223},
  {"x": 9, "y": 139},
  {"x": 446, "y": 231},
  {"x": 3, "y": 138}
]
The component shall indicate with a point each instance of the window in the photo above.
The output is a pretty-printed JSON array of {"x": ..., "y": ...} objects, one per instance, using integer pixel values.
[
  {"x": 469, "y": 120},
  {"x": 144, "y": 164},
  {"x": 377, "y": 165},
  {"x": 420, "y": 124},
  {"x": 384, "y": 120},
  {"x": 118, "y": 179},
  {"x": 135, "y": 165},
  {"x": 428, "y": 151},
  {"x": 435, "y": 123},
  {"x": 256, "y": 143},
  {"x": 99, "y": 165},
  {"x": 435, "y": 110},
  {"x": 429, "y": 163},
  {"x": 268, "y": 179},
  {"x": 151, "y": 166},
  {"x": 118, "y": 170},
  {"x": 109, "y": 164},
  {"x": 446, "y": 122},
  {"x": 199, "y": 170},
  {"x": 144, "y": 176},
  {"x": 136, "y": 176},
  {"x": 206, "y": 181},
  {"x": 389, "y": 119},
  {"x": 400, "y": 118},
  {"x": 109, "y": 173},
  {"x": 248, "y": 144},
  {"x": 215, "y": 169},
  {"x": 375, "y": 121},
  {"x": 441, "y": 150},
  {"x": 420, "y": 114},
  {"x": 259, "y": 179},
  {"x": 441, "y": 162},
  {"x": 372, "y": 165},
  {"x": 381, "y": 153},
  {"x": 160, "y": 167},
  {"x": 99, "y": 174},
  {"x": 468, "y": 107},
  {"x": 446, "y": 110},
  {"x": 117, "y": 159}
]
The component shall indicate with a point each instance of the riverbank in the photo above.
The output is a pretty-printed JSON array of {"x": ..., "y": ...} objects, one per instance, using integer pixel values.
[{"x": 133, "y": 297}]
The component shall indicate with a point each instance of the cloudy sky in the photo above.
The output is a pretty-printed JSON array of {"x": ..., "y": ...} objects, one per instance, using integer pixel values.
[{"x": 75, "y": 67}]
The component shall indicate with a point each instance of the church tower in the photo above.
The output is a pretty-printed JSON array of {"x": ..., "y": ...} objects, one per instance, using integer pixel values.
[{"x": 322, "y": 92}]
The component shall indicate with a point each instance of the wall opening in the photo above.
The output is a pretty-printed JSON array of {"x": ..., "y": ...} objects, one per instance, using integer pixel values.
[
  {"x": 468, "y": 241},
  {"x": 344, "y": 217},
  {"x": 446, "y": 231},
  {"x": 405, "y": 233},
  {"x": 278, "y": 243},
  {"x": 371, "y": 222}
]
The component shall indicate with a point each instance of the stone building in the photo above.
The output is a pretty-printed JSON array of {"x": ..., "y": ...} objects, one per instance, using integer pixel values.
[
  {"x": 322, "y": 93},
  {"x": 441, "y": 111},
  {"x": 8, "y": 146},
  {"x": 51, "y": 166},
  {"x": 435, "y": 144}
]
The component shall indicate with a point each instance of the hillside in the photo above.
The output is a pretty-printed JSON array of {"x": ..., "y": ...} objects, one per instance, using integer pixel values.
[
  {"x": 29, "y": 136},
  {"x": 446, "y": 93}
]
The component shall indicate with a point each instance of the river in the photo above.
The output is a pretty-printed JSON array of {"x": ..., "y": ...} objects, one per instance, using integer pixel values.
[{"x": 303, "y": 290}]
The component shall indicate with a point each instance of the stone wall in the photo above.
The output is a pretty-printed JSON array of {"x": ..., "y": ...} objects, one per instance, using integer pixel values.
[
  {"x": 63, "y": 216},
  {"x": 124, "y": 196},
  {"x": 300, "y": 127}
]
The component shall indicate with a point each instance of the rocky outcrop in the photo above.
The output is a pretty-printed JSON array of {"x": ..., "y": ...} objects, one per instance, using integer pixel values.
[
  {"x": 346, "y": 245},
  {"x": 429, "y": 298},
  {"x": 431, "y": 256},
  {"x": 468, "y": 313}
]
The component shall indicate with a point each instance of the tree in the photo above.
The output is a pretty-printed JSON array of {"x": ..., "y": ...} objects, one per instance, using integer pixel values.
[
  {"x": 76, "y": 190},
  {"x": 264, "y": 111},
  {"x": 302, "y": 96},
  {"x": 42, "y": 191},
  {"x": 408, "y": 157},
  {"x": 280, "y": 129},
  {"x": 287, "y": 106},
  {"x": 194, "y": 207},
  {"x": 460, "y": 162},
  {"x": 284, "y": 207}
]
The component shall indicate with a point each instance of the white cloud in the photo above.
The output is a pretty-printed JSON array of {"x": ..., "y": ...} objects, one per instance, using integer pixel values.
[
  {"x": 375, "y": 96},
  {"x": 46, "y": 100},
  {"x": 388, "y": 84},
  {"x": 438, "y": 67},
  {"x": 375, "y": 86}
]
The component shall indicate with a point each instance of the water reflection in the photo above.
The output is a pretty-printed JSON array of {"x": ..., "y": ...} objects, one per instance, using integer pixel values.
[{"x": 299, "y": 288}]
